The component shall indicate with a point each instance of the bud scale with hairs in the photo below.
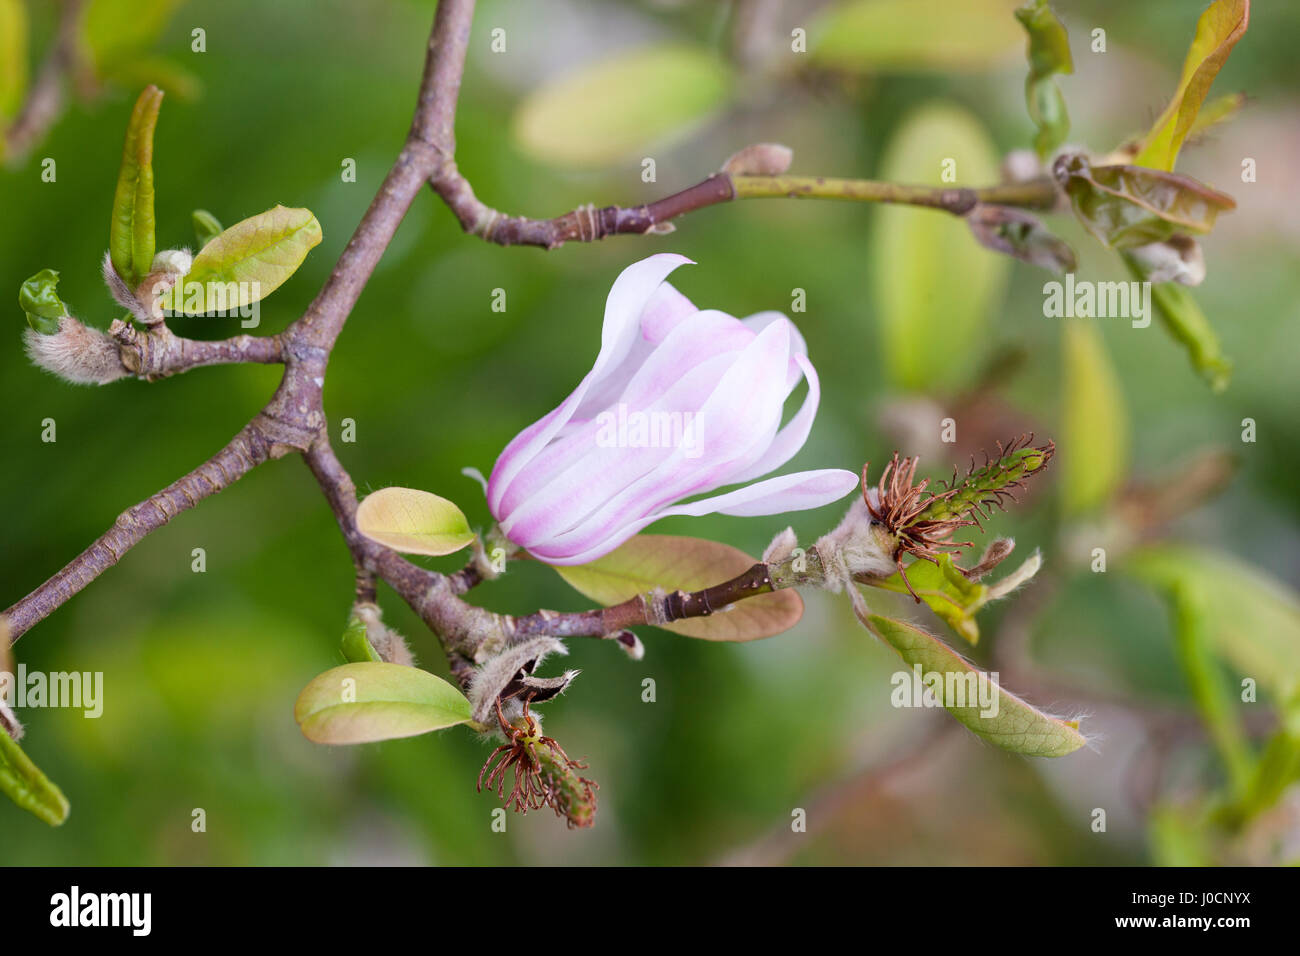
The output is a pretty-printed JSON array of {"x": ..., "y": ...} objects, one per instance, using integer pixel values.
[{"x": 76, "y": 353}]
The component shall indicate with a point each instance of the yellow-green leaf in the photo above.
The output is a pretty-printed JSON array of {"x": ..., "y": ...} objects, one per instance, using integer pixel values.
[
  {"x": 412, "y": 521},
  {"x": 935, "y": 288},
  {"x": 948, "y": 592},
  {"x": 1094, "y": 449},
  {"x": 1048, "y": 52},
  {"x": 247, "y": 262},
  {"x": 623, "y": 106},
  {"x": 1222, "y": 24},
  {"x": 974, "y": 698},
  {"x": 649, "y": 561},
  {"x": 365, "y": 702},
  {"x": 1221, "y": 109},
  {"x": 13, "y": 56},
  {"x": 131, "y": 234},
  {"x": 915, "y": 35},
  {"x": 24, "y": 783}
]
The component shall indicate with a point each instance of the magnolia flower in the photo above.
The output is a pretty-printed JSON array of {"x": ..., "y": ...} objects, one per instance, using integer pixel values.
[{"x": 681, "y": 401}]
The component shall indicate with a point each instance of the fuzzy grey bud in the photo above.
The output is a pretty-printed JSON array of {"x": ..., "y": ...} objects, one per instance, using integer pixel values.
[{"x": 76, "y": 353}]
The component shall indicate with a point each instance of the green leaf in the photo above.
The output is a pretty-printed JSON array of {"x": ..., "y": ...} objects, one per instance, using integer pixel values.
[
  {"x": 24, "y": 783},
  {"x": 1251, "y": 617},
  {"x": 1094, "y": 446},
  {"x": 40, "y": 300},
  {"x": 955, "y": 598},
  {"x": 913, "y": 35},
  {"x": 364, "y": 702},
  {"x": 206, "y": 227},
  {"x": 1127, "y": 206},
  {"x": 974, "y": 698},
  {"x": 13, "y": 58},
  {"x": 356, "y": 645},
  {"x": 935, "y": 289},
  {"x": 1278, "y": 766},
  {"x": 1213, "y": 698},
  {"x": 246, "y": 262},
  {"x": 648, "y": 561},
  {"x": 131, "y": 234},
  {"x": 412, "y": 521},
  {"x": 117, "y": 31},
  {"x": 623, "y": 106},
  {"x": 1048, "y": 51},
  {"x": 1220, "y": 27},
  {"x": 948, "y": 592},
  {"x": 1183, "y": 319},
  {"x": 1221, "y": 109}
]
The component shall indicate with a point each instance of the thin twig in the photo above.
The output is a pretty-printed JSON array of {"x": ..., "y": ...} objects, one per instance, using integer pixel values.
[{"x": 45, "y": 98}]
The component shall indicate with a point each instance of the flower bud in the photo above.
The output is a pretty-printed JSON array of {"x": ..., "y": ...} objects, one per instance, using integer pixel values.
[{"x": 760, "y": 159}]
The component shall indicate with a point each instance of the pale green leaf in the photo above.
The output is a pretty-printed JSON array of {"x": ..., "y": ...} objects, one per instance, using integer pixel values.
[
  {"x": 24, "y": 783},
  {"x": 247, "y": 262},
  {"x": 621, "y": 107},
  {"x": 648, "y": 561},
  {"x": 915, "y": 35},
  {"x": 974, "y": 698},
  {"x": 413, "y": 521},
  {"x": 955, "y": 598},
  {"x": 365, "y": 702},
  {"x": 950, "y": 594},
  {"x": 1222, "y": 24},
  {"x": 1094, "y": 449},
  {"x": 935, "y": 288},
  {"x": 1219, "y": 110}
]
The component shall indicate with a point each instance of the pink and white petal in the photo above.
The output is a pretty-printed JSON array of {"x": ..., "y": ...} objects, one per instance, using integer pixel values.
[
  {"x": 789, "y": 439},
  {"x": 668, "y": 382},
  {"x": 761, "y": 320},
  {"x": 572, "y": 478},
  {"x": 795, "y": 492},
  {"x": 697, "y": 341},
  {"x": 735, "y": 427},
  {"x": 798, "y": 491},
  {"x": 666, "y": 310},
  {"x": 623, "y": 307}
]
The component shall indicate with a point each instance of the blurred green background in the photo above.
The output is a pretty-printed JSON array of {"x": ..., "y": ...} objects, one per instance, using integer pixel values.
[{"x": 201, "y": 670}]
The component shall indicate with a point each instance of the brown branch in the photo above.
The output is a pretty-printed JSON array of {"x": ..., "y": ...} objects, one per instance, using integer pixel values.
[
  {"x": 585, "y": 224},
  {"x": 157, "y": 352},
  {"x": 659, "y": 608},
  {"x": 589, "y": 224},
  {"x": 294, "y": 420},
  {"x": 244, "y": 452},
  {"x": 45, "y": 98}
]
